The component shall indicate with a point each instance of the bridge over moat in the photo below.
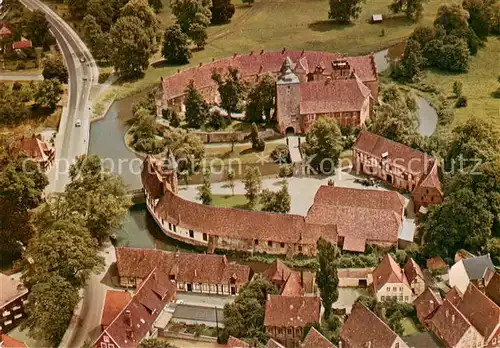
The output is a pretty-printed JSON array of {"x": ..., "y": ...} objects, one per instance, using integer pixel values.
[{"x": 137, "y": 196}]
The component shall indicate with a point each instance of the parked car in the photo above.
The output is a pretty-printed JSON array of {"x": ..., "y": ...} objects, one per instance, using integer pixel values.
[{"x": 78, "y": 123}]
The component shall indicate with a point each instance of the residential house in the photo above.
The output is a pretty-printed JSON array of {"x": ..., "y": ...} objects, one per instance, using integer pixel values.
[
  {"x": 355, "y": 277},
  {"x": 287, "y": 281},
  {"x": 492, "y": 289},
  {"x": 454, "y": 296},
  {"x": 114, "y": 302},
  {"x": 137, "y": 319},
  {"x": 314, "y": 339},
  {"x": 473, "y": 269},
  {"x": 13, "y": 298},
  {"x": 22, "y": 47},
  {"x": 210, "y": 274},
  {"x": 453, "y": 328},
  {"x": 436, "y": 265},
  {"x": 293, "y": 286},
  {"x": 361, "y": 216},
  {"x": 287, "y": 316},
  {"x": 363, "y": 328},
  {"x": 426, "y": 304},
  {"x": 40, "y": 151},
  {"x": 273, "y": 344},
  {"x": 400, "y": 166},
  {"x": 309, "y": 85},
  {"x": 6, "y": 37},
  {"x": 390, "y": 282},
  {"x": 9, "y": 342},
  {"x": 415, "y": 277},
  {"x": 234, "y": 342}
]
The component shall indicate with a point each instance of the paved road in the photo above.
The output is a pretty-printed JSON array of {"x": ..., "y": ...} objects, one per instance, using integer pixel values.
[
  {"x": 71, "y": 141},
  {"x": 20, "y": 77}
]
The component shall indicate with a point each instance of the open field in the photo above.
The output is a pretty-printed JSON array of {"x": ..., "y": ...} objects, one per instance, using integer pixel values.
[
  {"x": 478, "y": 84},
  {"x": 228, "y": 201},
  {"x": 244, "y": 154},
  {"x": 293, "y": 24}
]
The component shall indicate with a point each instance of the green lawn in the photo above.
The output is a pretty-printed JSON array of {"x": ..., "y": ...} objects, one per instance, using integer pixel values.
[
  {"x": 293, "y": 24},
  {"x": 242, "y": 153},
  {"x": 409, "y": 327},
  {"x": 228, "y": 201},
  {"x": 478, "y": 84}
]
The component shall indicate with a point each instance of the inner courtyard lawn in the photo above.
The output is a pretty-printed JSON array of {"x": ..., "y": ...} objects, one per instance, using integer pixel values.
[{"x": 291, "y": 24}]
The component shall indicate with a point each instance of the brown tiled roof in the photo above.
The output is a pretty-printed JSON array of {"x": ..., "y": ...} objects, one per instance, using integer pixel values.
[
  {"x": 388, "y": 271},
  {"x": 355, "y": 272},
  {"x": 150, "y": 177},
  {"x": 5, "y": 31},
  {"x": 358, "y": 223},
  {"x": 9, "y": 342},
  {"x": 412, "y": 270},
  {"x": 363, "y": 326},
  {"x": 277, "y": 272},
  {"x": 480, "y": 310},
  {"x": 432, "y": 179},
  {"x": 316, "y": 340},
  {"x": 273, "y": 344},
  {"x": 36, "y": 149},
  {"x": 410, "y": 160},
  {"x": 114, "y": 302},
  {"x": 295, "y": 311},
  {"x": 449, "y": 324},
  {"x": 426, "y": 303},
  {"x": 312, "y": 232},
  {"x": 454, "y": 296},
  {"x": 332, "y": 96},
  {"x": 10, "y": 290},
  {"x": 435, "y": 263},
  {"x": 187, "y": 267},
  {"x": 138, "y": 316},
  {"x": 493, "y": 288},
  {"x": 234, "y": 342},
  {"x": 261, "y": 63},
  {"x": 292, "y": 286},
  {"x": 351, "y": 197}
]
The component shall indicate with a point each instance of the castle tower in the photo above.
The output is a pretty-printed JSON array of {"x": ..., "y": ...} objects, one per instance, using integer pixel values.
[
  {"x": 169, "y": 173},
  {"x": 288, "y": 100}
]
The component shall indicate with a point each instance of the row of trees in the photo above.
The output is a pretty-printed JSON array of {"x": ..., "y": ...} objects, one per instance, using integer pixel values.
[{"x": 458, "y": 32}]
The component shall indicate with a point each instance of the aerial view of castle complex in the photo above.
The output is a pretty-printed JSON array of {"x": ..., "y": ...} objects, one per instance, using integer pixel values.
[{"x": 249, "y": 174}]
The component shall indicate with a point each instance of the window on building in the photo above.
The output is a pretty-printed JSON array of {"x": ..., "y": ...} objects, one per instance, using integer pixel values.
[
  {"x": 104, "y": 345},
  {"x": 300, "y": 248},
  {"x": 400, "y": 288},
  {"x": 394, "y": 289},
  {"x": 169, "y": 226},
  {"x": 172, "y": 277},
  {"x": 396, "y": 345},
  {"x": 400, "y": 298},
  {"x": 382, "y": 298},
  {"x": 280, "y": 331},
  {"x": 388, "y": 288},
  {"x": 282, "y": 245},
  {"x": 290, "y": 331},
  {"x": 17, "y": 316},
  {"x": 256, "y": 242},
  {"x": 191, "y": 234},
  {"x": 432, "y": 199},
  {"x": 205, "y": 237},
  {"x": 269, "y": 244},
  {"x": 297, "y": 331},
  {"x": 406, "y": 298},
  {"x": 175, "y": 228}
]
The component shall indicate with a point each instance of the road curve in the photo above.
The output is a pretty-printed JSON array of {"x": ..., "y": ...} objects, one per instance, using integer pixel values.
[{"x": 71, "y": 141}]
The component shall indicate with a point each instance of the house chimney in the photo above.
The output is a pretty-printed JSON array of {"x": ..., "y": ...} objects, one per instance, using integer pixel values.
[
  {"x": 251, "y": 53},
  {"x": 213, "y": 59},
  {"x": 201, "y": 64},
  {"x": 283, "y": 50},
  {"x": 234, "y": 55},
  {"x": 328, "y": 80},
  {"x": 453, "y": 319},
  {"x": 154, "y": 275},
  {"x": 302, "y": 53},
  {"x": 128, "y": 317},
  {"x": 261, "y": 52},
  {"x": 447, "y": 313},
  {"x": 301, "y": 277}
]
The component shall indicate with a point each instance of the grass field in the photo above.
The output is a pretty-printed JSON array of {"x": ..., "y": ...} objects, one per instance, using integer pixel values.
[
  {"x": 228, "y": 201},
  {"x": 293, "y": 24},
  {"x": 242, "y": 153},
  {"x": 478, "y": 84},
  {"x": 409, "y": 327}
]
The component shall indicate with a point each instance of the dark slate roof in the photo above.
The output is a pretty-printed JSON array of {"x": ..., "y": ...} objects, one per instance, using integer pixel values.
[{"x": 476, "y": 266}]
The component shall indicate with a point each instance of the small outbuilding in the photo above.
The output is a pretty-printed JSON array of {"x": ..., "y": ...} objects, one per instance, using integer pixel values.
[{"x": 377, "y": 18}]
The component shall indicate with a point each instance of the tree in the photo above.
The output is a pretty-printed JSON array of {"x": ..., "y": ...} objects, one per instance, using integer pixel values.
[
  {"x": 343, "y": 11},
  {"x": 175, "y": 46},
  {"x": 65, "y": 249},
  {"x": 155, "y": 343},
  {"x": 244, "y": 318},
  {"x": 480, "y": 16},
  {"x": 205, "y": 190},
  {"x": 413, "y": 61},
  {"x": 51, "y": 301},
  {"x": 249, "y": 2},
  {"x": 457, "y": 88},
  {"x": 54, "y": 68},
  {"x": 198, "y": 33},
  {"x": 189, "y": 12},
  {"x": 324, "y": 145},
  {"x": 97, "y": 41},
  {"x": 13, "y": 107},
  {"x": 495, "y": 19},
  {"x": 197, "y": 110},
  {"x": 278, "y": 202},
  {"x": 156, "y": 5},
  {"x": 77, "y": 8},
  {"x": 131, "y": 47},
  {"x": 230, "y": 178},
  {"x": 144, "y": 131},
  {"x": 222, "y": 11},
  {"x": 231, "y": 90},
  {"x": 48, "y": 93},
  {"x": 452, "y": 18},
  {"x": 36, "y": 28},
  {"x": 258, "y": 143},
  {"x": 253, "y": 185},
  {"x": 261, "y": 100},
  {"x": 187, "y": 149},
  {"x": 412, "y": 8},
  {"x": 102, "y": 11},
  {"x": 327, "y": 278},
  {"x": 98, "y": 195}
]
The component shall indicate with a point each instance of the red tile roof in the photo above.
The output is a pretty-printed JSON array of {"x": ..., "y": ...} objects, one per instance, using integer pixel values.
[
  {"x": 114, "y": 302},
  {"x": 435, "y": 263},
  {"x": 38, "y": 150},
  {"x": 277, "y": 272},
  {"x": 187, "y": 267},
  {"x": 138, "y": 316},
  {"x": 9, "y": 342},
  {"x": 412, "y": 270},
  {"x": 454, "y": 296},
  {"x": 426, "y": 303},
  {"x": 373, "y": 199},
  {"x": 363, "y": 326},
  {"x": 333, "y": 96},
  {"x": 480, "y": 310},
  {"x": 234, "y": 342},
  {"x": 19, "y": 45},
  {"x": 294, "y": 311},
  {"x": 292, "y": 286},
  {"x": 273, "y": 344},
  {"x": 254, "y": 64},
  {"x": 5, "y": 31},
  {"x": 10, "y": 290},
  {"x": 449, "y": 324},
  {"x": 316, "y": 340},
  {"x": 388, "y": 271},
  {"x": 493, "y": 288}
]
